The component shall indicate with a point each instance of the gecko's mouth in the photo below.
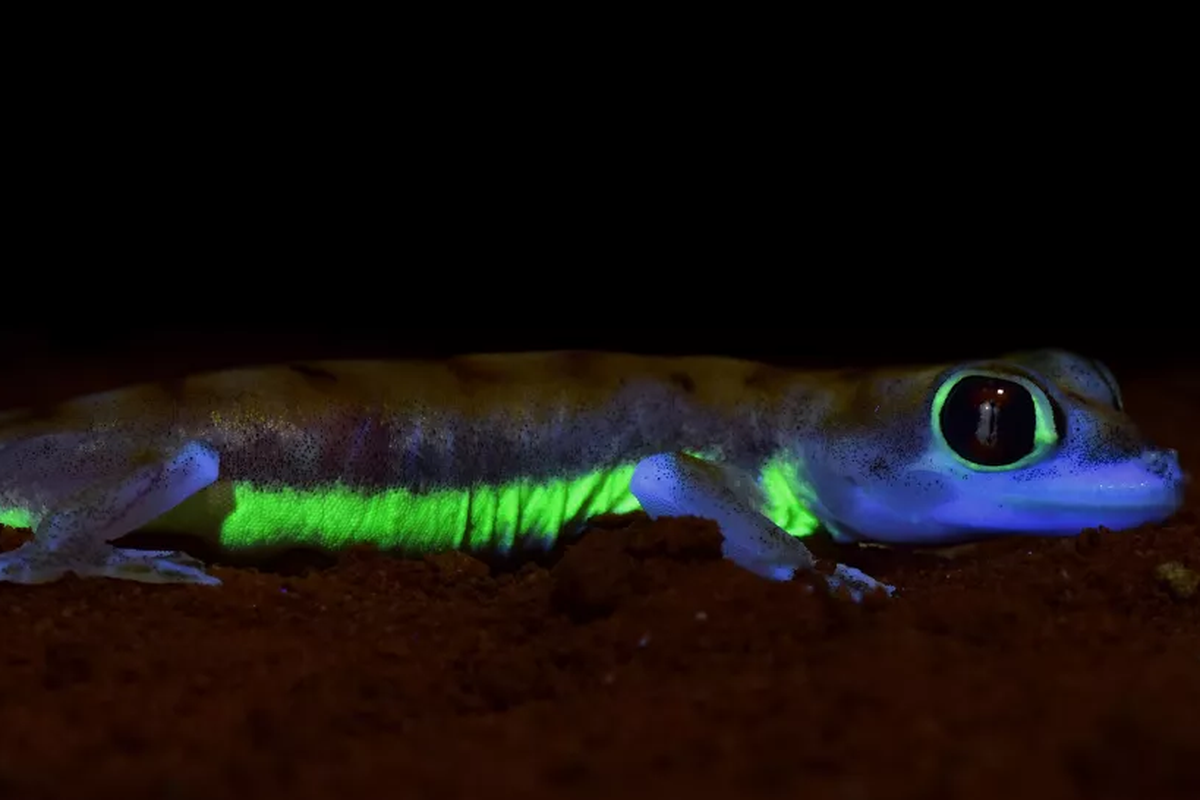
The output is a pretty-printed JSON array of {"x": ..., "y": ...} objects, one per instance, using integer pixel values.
[
  {"x": 1111, "y": 500},
  {"x": 1068, "y": 516},
  {"x": 1151, "y": 482},
  {"x": 1058, "y": 516},
  {"x": 1117, "y": 496}
]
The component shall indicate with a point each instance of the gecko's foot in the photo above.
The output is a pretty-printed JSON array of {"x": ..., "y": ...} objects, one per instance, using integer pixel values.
[
  {"x": 30, "y": 563},
  {"x": 676, "y": 484},
  {"x": 856, "y": 582},
  {"x": 680, "y": 485},
  {"x": 94, "y": 491}
]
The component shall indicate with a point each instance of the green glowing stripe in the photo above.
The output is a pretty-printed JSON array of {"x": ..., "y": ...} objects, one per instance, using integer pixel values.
[
  {"x": 16, "y": 518},
  {"x": 781, "y": 483},
  {"x": 485, "y": 517}
]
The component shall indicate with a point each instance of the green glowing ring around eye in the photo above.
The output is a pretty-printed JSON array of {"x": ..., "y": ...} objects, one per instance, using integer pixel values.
[{"x": 1045, "y": 436}]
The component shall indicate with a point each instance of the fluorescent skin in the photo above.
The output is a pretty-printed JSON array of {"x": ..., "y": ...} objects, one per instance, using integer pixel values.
[{"x": 496, "y": 453}]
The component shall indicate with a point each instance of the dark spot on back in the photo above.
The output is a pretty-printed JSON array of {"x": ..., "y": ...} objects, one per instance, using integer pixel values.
[
  {"x": 683, "y": 381},
  {"x": 765, "y": 377},
  {"x": 40, "y": 412},
  {"x": 175, "y": 389},
  {"x": 855, "y": 374},
  {"x": 473, "y": 374},
  {"x": 573, "y": 365},
  {"x": 313, "y": 373}
]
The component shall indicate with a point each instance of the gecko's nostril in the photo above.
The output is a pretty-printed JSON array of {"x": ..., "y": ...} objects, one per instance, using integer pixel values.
[{"x": 1164, "y": 464}]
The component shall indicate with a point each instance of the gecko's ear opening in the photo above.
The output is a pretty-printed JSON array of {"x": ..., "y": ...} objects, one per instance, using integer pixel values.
[{"x": 992, "y": 422}]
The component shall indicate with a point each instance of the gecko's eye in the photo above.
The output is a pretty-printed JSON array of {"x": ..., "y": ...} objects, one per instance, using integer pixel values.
[{"x": 992, "y": 422}]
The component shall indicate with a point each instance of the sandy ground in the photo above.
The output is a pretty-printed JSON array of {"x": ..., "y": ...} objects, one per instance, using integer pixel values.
[{"x": 640, "y": 665}]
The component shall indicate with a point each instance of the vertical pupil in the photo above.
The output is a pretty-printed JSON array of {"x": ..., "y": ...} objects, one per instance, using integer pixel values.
[{"x": 989, "y": 423}]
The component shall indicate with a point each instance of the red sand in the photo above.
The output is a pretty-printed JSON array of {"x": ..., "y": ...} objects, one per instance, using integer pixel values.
[{"x": 641, "y": 665}]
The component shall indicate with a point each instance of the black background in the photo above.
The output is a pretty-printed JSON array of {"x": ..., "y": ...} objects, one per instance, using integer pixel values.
[
  {"x": 842, "y": 240},
  {"x": 839, "y": 339}
]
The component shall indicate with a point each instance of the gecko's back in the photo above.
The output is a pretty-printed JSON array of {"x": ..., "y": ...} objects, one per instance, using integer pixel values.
[
  {"x": 429, "y": 423},
  {"x": 513, "y": 444}
]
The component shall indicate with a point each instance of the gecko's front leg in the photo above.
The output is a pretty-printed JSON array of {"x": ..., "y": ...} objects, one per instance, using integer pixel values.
[
  {"x": 676, "y": 485},
  {"x": 88, "y": 492}
]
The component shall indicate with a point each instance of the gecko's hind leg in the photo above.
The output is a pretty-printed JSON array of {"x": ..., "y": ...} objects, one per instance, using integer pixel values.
[
  {"x": 676, "y": 484},
  {"x": 130, "y": 490}
]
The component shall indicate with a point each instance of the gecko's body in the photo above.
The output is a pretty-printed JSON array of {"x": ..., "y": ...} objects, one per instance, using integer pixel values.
[{"x": 506, "y": 451}]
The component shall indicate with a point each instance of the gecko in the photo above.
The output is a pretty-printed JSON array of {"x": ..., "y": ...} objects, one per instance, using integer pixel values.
[{"x": 507, "y": 452}]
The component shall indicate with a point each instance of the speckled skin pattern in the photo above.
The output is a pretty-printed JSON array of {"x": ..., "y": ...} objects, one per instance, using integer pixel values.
[{"x": 425, "y": 424}]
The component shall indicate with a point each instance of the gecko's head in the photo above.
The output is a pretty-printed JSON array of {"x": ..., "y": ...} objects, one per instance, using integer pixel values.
[{"x": 1036, "y": 443}]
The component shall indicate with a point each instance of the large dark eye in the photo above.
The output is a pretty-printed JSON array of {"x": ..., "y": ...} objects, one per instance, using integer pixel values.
[{"x": 989, "y": 421}]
